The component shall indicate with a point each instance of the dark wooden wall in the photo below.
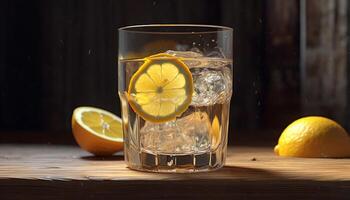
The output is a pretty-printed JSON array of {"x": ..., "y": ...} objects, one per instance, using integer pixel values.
[
  {"x": 282, "y": 71},
  {"x": 56, "y": 55},
  {"x": 324, "y": 79}
]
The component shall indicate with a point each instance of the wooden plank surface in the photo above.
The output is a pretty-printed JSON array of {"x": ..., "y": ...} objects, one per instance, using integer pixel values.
[{"x": 68, "y": 172}]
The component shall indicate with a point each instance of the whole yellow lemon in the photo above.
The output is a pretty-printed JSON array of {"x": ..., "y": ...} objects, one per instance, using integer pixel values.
[{"x": 314, "y": 136}]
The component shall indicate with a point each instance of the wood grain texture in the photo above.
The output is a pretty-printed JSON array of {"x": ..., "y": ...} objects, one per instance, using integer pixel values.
[
  {"x": 246, "y": 19},
  {"x": 281, "y": 72},
  {"x": 324, "y": 82},
  {"x": 51, "y": 171}
]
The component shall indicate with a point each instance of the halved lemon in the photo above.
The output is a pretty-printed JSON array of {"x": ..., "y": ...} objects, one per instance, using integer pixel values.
[
  {"x": 161, "y": 89},
  {"x": 314, "y": 137},
  {"x": 97, "y": 131}
]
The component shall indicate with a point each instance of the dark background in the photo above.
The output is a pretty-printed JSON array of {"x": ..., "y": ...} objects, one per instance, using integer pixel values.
[{"x": 290, "y": 60}]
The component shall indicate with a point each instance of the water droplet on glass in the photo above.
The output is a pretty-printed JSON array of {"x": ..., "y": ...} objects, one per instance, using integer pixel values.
[{"x": 259, "y": 103}]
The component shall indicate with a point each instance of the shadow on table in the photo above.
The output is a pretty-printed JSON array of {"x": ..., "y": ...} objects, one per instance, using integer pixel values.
[
  {"x": 225, "y": 173},
  {"x": 103, "y": 158},
  {"x": 234, "y": 173},
  {"x": 248, "y": 172}
]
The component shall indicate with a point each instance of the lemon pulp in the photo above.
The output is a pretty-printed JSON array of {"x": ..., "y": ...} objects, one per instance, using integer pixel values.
[
  {"x": 97, "y": 131},
  {"x": 102, "y": 124},
  {"x": 161, "y": 89}
]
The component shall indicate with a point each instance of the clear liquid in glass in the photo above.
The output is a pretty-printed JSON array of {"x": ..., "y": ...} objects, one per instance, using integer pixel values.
[{"x": 194, "y": 141}]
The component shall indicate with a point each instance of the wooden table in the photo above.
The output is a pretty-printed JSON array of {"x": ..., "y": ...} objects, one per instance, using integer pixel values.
[{"x": 66, "y": 172}]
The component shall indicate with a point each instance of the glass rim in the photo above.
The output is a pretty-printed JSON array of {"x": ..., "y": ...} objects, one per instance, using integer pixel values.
[{"x": 215, "y": 28}]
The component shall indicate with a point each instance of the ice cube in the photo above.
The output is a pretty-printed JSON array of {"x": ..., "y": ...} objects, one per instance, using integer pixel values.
[
  {"x": 216, "y": 53},
  {"x": 190, "y": 58},
  {"x": 195, "y": 59},
  {"x": 185, "y": 54},
  {"x": 212, "y": 77},
  {"x": 196, "y": 126},
  {"x": 189, "y": 134},
  {"x": 159, "y": 137},
  {"x": 211, "y": 86}
]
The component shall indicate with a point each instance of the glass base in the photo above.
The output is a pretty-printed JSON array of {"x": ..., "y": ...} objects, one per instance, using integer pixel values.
[{"x": 179, "y": 163}]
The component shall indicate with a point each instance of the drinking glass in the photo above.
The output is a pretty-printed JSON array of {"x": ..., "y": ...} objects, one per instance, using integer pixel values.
[{"x": 175, "y": 87}]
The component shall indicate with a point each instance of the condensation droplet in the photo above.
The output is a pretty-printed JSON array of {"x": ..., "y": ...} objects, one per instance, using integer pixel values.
[{"x": 259, "y": 103}]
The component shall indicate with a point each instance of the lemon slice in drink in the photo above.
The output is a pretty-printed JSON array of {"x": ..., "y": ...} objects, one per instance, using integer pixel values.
[
  {"x": 97, "y": 131},
  {"x": 216, "y": 132},
  {"x": 161, "y": 89}
]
